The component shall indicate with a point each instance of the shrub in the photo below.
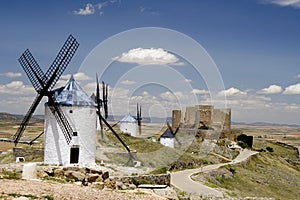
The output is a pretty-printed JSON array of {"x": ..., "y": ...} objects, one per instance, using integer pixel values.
[
  {"x": 248, "y": 140},
  {"x": 269, "y": 149},
  {"x": 242, "y": 144}
]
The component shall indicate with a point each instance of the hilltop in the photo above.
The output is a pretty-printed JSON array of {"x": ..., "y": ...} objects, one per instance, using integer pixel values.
[{"x": 13, "y": 118}]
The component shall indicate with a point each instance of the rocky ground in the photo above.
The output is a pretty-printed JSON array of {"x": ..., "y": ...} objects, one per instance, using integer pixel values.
[{"x": 37, "y": 189}]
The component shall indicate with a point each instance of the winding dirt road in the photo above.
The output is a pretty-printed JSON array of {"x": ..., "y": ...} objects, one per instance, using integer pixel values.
[{"x": 182, "y": 179}]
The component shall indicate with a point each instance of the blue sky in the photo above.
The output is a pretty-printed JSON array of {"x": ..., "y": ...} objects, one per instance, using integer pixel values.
[{"x": 254, "y": 43}]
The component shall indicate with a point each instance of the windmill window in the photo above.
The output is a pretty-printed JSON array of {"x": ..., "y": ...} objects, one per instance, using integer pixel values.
[{"x": 71, "y": 111}]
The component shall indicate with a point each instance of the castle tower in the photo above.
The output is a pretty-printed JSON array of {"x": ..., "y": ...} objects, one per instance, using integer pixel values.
[
  {"x": 176, "y": 119},
  {"x": 190, "y": 116},
  {"x": 204, "y": 115},
  {"x": 80, "y": 112}
]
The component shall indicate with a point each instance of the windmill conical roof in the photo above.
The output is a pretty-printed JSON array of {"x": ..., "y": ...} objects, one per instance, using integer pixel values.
[
  {"x": 72, "y": 95},
  {"x": 167, "y": 134},
  {"x": 128, "y": 118}
]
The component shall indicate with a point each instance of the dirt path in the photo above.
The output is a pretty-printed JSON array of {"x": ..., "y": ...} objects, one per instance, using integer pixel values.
[
  {"x": 182, "y": 179},
  {"x": 9, "y": 189}
]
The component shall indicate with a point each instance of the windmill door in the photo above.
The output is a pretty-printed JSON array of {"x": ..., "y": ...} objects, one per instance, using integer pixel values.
[{"x": 74, "y": 155}]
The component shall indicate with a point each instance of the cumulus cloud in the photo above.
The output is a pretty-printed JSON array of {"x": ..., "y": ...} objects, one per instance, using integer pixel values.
[
  {"x": 272, "y": 89},
  {"x": 197, "y": 91},
  {"x": 79, "y": 76},
  {"x": 91, "y": 9},
  {"x": 128, "y": 82},
  {"x": 292, "y": 89},
  {"x": 142, "y": 56},
  {"x": 232, "y": 92},
  {"x": 88, "y": 10},
  {"x": 16, "y": 87},
  {"x": 169, "y": 96},
  {"x": 11, "y": 74},
  {"x": 284, "y": 3},
  {"x": 292, "y": 107}
]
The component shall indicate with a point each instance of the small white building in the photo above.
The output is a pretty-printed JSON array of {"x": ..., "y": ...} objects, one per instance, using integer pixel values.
[
  {"x": 80, "y": 111},
  {"x": 128, "y": 125},
  {"x": 167, "y": 139}
]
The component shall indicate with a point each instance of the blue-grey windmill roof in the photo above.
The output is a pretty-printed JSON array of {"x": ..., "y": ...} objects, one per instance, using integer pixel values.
[
  {"x": 72, "y": 95},
  {"x": 128, "y": 118},
  {"x": 167, "y": 134}
]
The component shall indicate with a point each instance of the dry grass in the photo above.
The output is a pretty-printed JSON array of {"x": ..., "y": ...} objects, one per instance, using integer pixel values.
[{"x": 268, "y": 174}]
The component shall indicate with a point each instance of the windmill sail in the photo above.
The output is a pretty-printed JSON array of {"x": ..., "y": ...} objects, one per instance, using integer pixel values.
[
  {"x": 43, "y": 83},
  {"x": 102, "y": 119},
  {"x": 32, "y": 69}
]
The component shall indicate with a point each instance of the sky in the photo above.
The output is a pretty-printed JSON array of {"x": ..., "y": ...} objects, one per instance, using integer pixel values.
[{"x": 251, "y": 47}]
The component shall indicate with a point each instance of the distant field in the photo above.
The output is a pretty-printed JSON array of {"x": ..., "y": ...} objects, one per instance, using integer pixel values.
[
  {"x": 287, "y": 134},
  {"x": 7, "y": 130}
]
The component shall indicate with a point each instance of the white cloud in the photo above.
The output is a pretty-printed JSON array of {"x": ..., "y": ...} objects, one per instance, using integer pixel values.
[
  {"x": 272, "y": 89},
  {"x": 11, "y": 74},
  {"x": 197, "y": 91},
  {"x": 298, "y": 76},
  {"x": 232, "y": 92},
  {"x": 16, "y": 87},
  {"x": 187, "y": 80},
  {"x": 128, "y": 82},
  {"x": 79, "y": 76},
  {"x": 169, "y": 96},
  {"x": 88, "y": 10},
  {"x": 292, "y": 89},
  {"x": 91, "y": 9},
  {"x": 292, "y": 107},
  {"x": 142, "y": 56},
  {"x": 284, "y": 3}
]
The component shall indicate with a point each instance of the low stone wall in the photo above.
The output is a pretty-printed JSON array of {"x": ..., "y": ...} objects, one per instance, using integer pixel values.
[{"x": 159, "y": 179}]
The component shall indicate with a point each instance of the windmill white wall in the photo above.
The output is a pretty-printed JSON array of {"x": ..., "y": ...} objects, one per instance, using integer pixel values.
[
  {"x": 168, "y": 142},
  {"x": 83, "y": 121},
  {"x": 167, "y": 139},
  {"x": 128, "y": 125},
  {"x": 81, "y": 114}
]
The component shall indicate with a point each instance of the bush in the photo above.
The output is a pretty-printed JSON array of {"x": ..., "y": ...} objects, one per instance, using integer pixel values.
[
  {"x": 248, "y": 140},
  {"x": 269, "y": 149},
  {"x": 242, "y": 144}
]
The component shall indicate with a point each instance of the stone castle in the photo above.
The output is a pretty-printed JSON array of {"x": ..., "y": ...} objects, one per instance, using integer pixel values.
[{"x": 203, "y": 116}]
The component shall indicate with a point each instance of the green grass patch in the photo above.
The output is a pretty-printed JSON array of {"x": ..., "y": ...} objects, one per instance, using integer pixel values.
[
  {"x": 59, "y": 180},
  {"x": 22, "y": 195},
  {"x": 5, "y": 174}
]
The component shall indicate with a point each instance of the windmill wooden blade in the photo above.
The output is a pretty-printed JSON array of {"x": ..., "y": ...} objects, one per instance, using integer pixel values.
[
  {"x": 104, "y": 99},
  {"x": 61, "y": 61},
  {"x": 170, "y": 128},
  {"x": 118, "y": 137},
  {"x": 26, "y": 119},
  {"x": 177, "y": 129},
  {"x": 98, "y": 102},
  {"x": 43, "y": 83},
  {"x": 139, "y": 114},
  {"x": 32, "y": 70},
  {"x": 61, "y": 119}
]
